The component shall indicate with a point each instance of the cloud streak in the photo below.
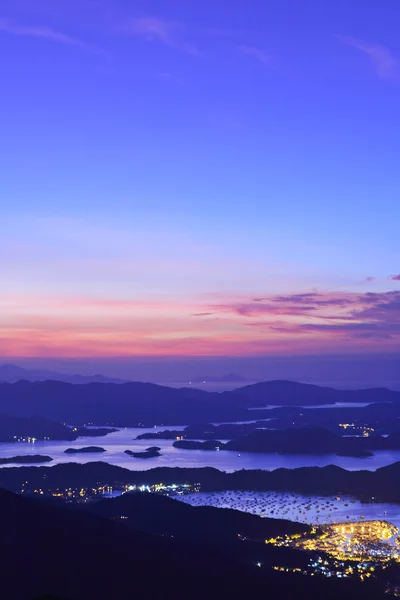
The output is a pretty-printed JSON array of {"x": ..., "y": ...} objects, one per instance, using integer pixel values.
[
  {"x": 385, "y": 64},
  {"x": 168, "y": 33},
  {"x": 45, "y": 33},
  {"x": 257, "y": 54},
  {"x": 322, "y": 322}
]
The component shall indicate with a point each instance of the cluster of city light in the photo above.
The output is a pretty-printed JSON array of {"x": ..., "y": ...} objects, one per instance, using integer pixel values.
[
  {"x": 85, "y": 494},
  {"x": 166, "y": 489},
  {"x": 375, "y": 541},
  {"x": 366, "y": 431},
  {"x": 78, "y": 494}
]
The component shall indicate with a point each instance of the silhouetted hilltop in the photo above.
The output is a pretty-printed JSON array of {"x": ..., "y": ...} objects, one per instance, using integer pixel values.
[
  {"x": 125, "y": 404},
  {"x": 294, "y": 393},
  {"x": 85, "y": 556},
  {"x": 161, "y": 515},
  {"x": 150, "y": 404}
]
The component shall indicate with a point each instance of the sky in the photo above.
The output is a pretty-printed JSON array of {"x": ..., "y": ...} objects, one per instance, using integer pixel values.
[{"x": 199, "y": 179}]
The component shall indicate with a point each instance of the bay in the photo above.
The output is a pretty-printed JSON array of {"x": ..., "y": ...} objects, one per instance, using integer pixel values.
[{"x": 116, "y": 443}]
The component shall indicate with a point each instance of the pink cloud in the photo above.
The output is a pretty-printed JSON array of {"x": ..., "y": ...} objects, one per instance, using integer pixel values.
[{"x": 309, "y": 322}]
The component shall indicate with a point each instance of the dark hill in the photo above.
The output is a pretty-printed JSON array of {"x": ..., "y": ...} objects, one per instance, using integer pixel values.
[
  {"x": 382, "y": 484},
  {"x": 292, "y": 393},
  {"x": 72, "y": 554},
  {"x": 85, "y": 557},
  {"x": 86, "y": 449},
  {"x": 13, "y": 428},
  {"x": 302, "y": 441},
  {"x": 132, "y": 403},
  {"x": 158, "y": 514}
]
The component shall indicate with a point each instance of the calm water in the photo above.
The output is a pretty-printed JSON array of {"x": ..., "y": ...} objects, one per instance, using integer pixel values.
[
  {"x": 296, "y": 507},
  {"x": 116, "y": 443},
  {"x": 335, "y": 405}
]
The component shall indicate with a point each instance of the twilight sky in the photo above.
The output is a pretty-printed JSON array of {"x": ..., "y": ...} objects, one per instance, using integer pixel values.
[{"x": 199, "y": 178}]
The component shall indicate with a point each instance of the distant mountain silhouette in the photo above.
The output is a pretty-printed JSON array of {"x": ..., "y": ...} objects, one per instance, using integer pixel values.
[
  {"x": 12, "y": 373},
  {"x": 231, "y": 378},
  {"x": 133, "y": 403},
  {"x": 292, "y": 393}
]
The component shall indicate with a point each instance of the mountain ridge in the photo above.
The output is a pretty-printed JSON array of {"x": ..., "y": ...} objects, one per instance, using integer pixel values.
[
  {"x": 10, "y": 373},
  {"x": 135, "y": 403}
]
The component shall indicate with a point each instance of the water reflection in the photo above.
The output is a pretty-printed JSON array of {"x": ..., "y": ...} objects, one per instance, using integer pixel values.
[{"x": 116, "y": 443}]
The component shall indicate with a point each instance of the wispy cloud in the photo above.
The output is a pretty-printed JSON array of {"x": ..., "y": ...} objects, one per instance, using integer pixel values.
[
  {"x": 257, "y": 54},
  {"x": 169, "y": 33},
  {"x": 89, "y": 326},
  {"x": 386, "y": 65},
  {"x": 370, "y": 315},
  {"x": 7, "y": 26},
  {"x": 169, "y": 77},
  {"x": 395, "y": 278}
]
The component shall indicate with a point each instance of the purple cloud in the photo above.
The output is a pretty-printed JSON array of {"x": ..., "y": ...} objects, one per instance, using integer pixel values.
[{"x": 370, "y": 315}]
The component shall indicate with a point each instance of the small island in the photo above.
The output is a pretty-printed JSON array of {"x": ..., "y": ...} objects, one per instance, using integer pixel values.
[
  {"x": 84, "y": 450},
  {"x": 193, "y": 445},
  {"x": 355, "y": 453},
  {"x": 151, "y": 452},
  {"x": 168, "y": 434},
  {"x": 93, "y": 431},
  {"x": 24, "y": 460}
]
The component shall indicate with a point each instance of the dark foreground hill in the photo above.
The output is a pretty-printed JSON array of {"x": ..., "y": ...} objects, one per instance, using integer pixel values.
[
  {"x": 130, "y": 404},
  {"x": 161, "y": 515},
  {"x": 79, "y": 556}
]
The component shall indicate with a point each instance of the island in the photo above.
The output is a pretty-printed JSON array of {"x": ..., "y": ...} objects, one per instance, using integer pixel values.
[
  {"x": 193, "y": 445},
  {"x": 355, "y": 453},
  {"x": 24, "y": 460},
  {"x": 93, "y": 431},
  {"x": 167, "y": 434},
  {"x": 84, "y": 450},
  {"x": 151, "y": 452}
]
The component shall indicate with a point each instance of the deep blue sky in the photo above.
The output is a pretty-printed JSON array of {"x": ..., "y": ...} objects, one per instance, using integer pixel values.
[{"x": 168, "y": 159}]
